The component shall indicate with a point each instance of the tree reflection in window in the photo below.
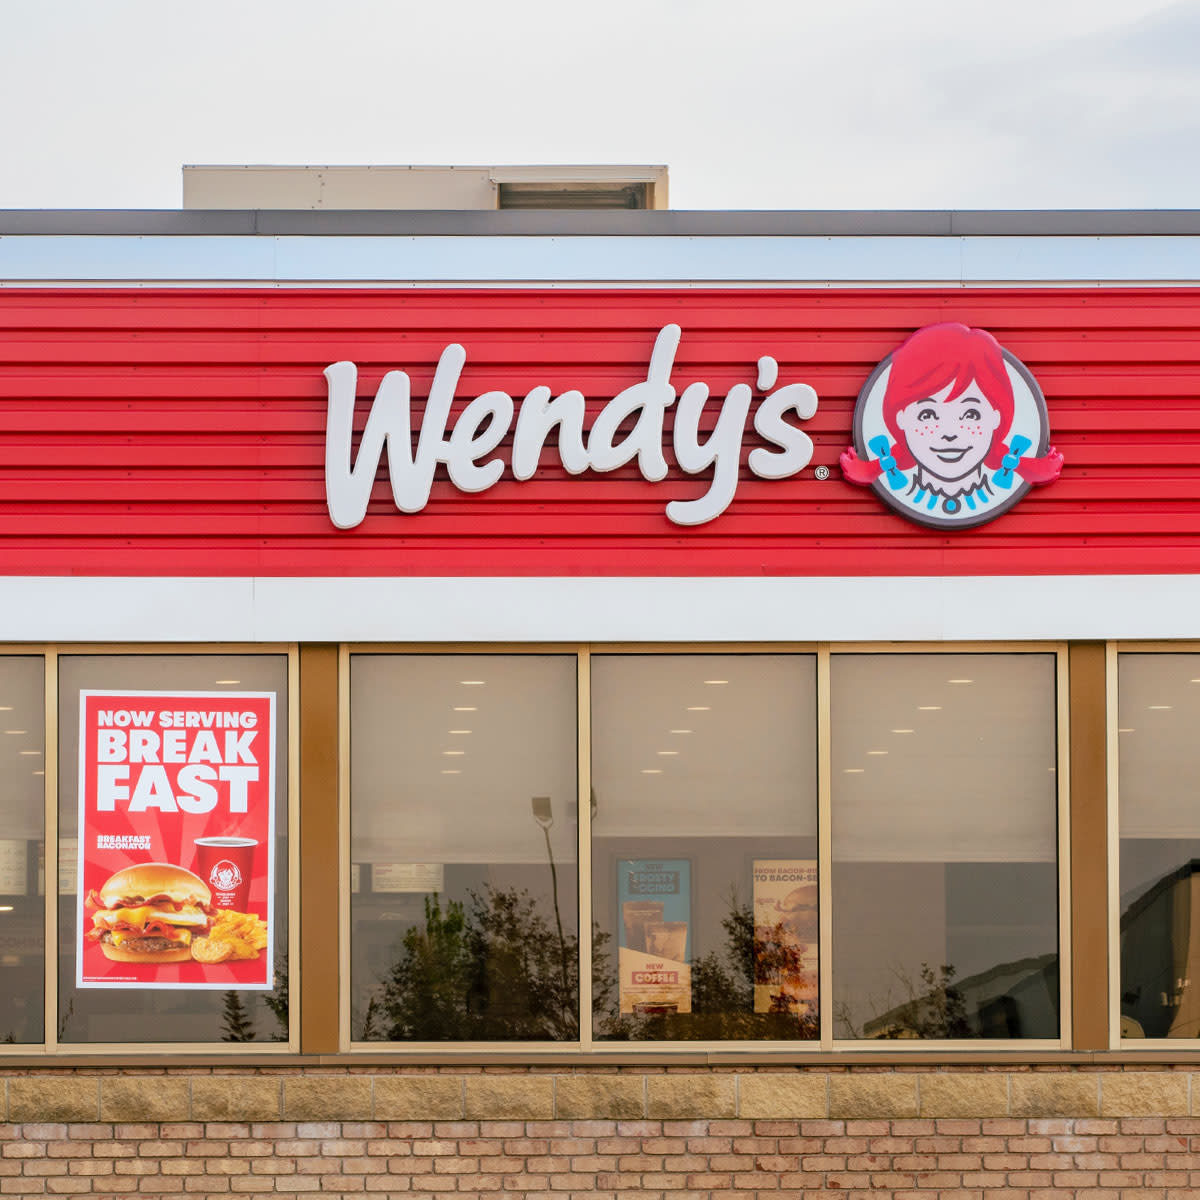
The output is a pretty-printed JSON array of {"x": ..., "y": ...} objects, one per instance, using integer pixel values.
[{"x": 491, "y": 968}]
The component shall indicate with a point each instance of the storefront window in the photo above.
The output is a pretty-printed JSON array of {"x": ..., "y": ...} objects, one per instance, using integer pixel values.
[
  {"x": 22, "y": 862},
  {"x": 944, "y": 795},
  {"x": 1159, "y": 713},
  {"x": 172, "y": 880},
  {"x": 464, "y": 848},
  {"x": 704, "y": 846},
  {"x": 705, "y": 875}
]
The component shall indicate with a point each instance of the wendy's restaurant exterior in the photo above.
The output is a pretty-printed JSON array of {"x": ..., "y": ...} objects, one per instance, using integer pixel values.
[{"x": 655, "y": 702}]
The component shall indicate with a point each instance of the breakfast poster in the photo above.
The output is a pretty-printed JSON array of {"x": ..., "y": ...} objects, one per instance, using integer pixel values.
[
  {"x": 655, "y": 900},
  {"x": 176, "y": 840},
  {"x": 786, "y": 936}
]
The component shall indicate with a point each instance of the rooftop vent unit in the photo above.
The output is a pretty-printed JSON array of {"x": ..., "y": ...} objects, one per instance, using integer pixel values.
[
  {"x": 396, "y": 188},
  {"x": 573, "y": 195}
]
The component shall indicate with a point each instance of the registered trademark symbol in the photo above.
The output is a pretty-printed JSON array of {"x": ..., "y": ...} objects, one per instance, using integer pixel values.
[{"x": 821, "y": 472}]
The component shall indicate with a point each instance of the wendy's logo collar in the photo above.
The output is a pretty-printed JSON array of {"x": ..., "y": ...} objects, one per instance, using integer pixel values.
[{"x": 951, "y": 429}]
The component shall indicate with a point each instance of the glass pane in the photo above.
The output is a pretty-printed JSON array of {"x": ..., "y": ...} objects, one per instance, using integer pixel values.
[
  {"x": 944, "y": 792},
  {"x": 175, "y": 966},
  {"x": 464, "y": 836},
  {"x": 22, "y": 864},
  {"x": 704, "y": 859},
  {"x": 1159, "y": 713}
]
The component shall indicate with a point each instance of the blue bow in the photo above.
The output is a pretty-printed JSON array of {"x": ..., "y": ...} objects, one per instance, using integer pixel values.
[
  {"x": 1010, "y": 462},
  {"x": 882, "y": 449}
]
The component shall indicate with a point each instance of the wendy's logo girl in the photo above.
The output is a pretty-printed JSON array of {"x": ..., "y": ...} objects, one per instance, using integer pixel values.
[{"x": 951, "y": 429}]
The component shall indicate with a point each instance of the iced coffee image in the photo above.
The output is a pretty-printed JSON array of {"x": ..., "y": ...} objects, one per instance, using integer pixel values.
[
  {"x": 636, "y": 915},
  {"x": 667, "y": 938}
]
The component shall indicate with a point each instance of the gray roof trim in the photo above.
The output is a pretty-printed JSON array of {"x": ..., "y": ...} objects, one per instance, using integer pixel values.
[{"x": 549, "y": 223}]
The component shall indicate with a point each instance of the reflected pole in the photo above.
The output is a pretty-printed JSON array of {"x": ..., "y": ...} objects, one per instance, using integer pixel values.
[{"x": 543, "y": 814}]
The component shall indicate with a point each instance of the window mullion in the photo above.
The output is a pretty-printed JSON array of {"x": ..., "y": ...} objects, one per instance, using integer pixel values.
[{"x": 584, "y": 717}]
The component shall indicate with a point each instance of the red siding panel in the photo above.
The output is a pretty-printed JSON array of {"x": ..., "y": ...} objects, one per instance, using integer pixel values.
[{"x": 181, "y": 432}]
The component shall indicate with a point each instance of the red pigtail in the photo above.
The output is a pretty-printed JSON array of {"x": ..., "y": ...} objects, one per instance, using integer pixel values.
[
  {"x": 855, "y": 470},
  {"x": 1042, "y": 470}
]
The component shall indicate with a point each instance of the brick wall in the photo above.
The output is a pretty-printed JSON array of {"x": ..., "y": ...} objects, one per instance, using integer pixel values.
[
  {"x": 719, "y": 1159},
  {"x": 719, "y": 1134}
]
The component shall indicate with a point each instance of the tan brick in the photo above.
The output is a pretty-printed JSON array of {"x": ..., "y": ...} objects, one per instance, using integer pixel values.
[
  {"x": 143, "y": 1098},
  {"x": 1054, "y": 1094},
  {"x": 513, "y": 1097},
  {"x": 1144, "y": 1094},
  {"x": 803, "y": 1095},
  {"x": 686, "y": 1097},
  {"x": 599, "y": 1097},
  {"x": 327, "y": 1098},
  {"x": 418, "y": 1097},
  {"x": 964, "y": 1094},
  {"x": 872, "y": 1096},
  {"x": 235, "y": 1098},
  {"x": 53, "y": 1098}
]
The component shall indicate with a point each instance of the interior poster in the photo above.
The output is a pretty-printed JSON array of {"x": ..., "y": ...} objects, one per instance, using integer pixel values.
[
  {"x": 655, "y": 899},
  {"x": 785, "y": 936},
  {"x": 176, "y": 837}
]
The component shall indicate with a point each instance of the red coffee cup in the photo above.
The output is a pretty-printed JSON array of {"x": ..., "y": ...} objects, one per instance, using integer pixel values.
[{"x": 226, "y": 864}]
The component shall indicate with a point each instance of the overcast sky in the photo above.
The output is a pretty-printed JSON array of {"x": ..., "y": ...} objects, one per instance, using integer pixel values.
[{"x": 757, "y": 104}]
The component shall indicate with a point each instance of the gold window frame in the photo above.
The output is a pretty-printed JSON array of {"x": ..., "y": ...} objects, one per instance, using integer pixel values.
[
  {"x": 602, "y": 1051},
  {"x": 51, "y": 1049},
  {"x": 1169, "y": 1048}
]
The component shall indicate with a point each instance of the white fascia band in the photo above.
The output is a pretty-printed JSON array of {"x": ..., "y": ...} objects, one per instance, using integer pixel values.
[
  {"x": 574, "y": 261},
  {"x": 670, "y": 610}
]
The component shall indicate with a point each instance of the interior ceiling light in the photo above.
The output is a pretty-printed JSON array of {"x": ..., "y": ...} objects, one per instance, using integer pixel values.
[
  {"x": 31, "y": 752},
  {"x": 16, "y": 731},
  {"x": 453, "y": 753},
  {"x": 472, "y": 682},
  {"x": 903, "y": 730},
  {"x": 1126, "y": 730},
  {"x": 666, "y": 752},
  {"x": 451, "y": 771},
  {"x": 876, "y": 752},
  {"x": 853, "y": 770},
  {"x": 465, "y": 708},
  {"x": 227, "y": 681},
  {"x": 651, "y": 771},
  {"x": 960, "y": 681},
  {"x": 458, "y": 732},
  {"x": 681, "y": 731},
  {"x": 1160, "y": 707},
  {"x": 715, "y": 682},
  {"x": 699, "y": 708},
  {"x": 929, "y": 708}
]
